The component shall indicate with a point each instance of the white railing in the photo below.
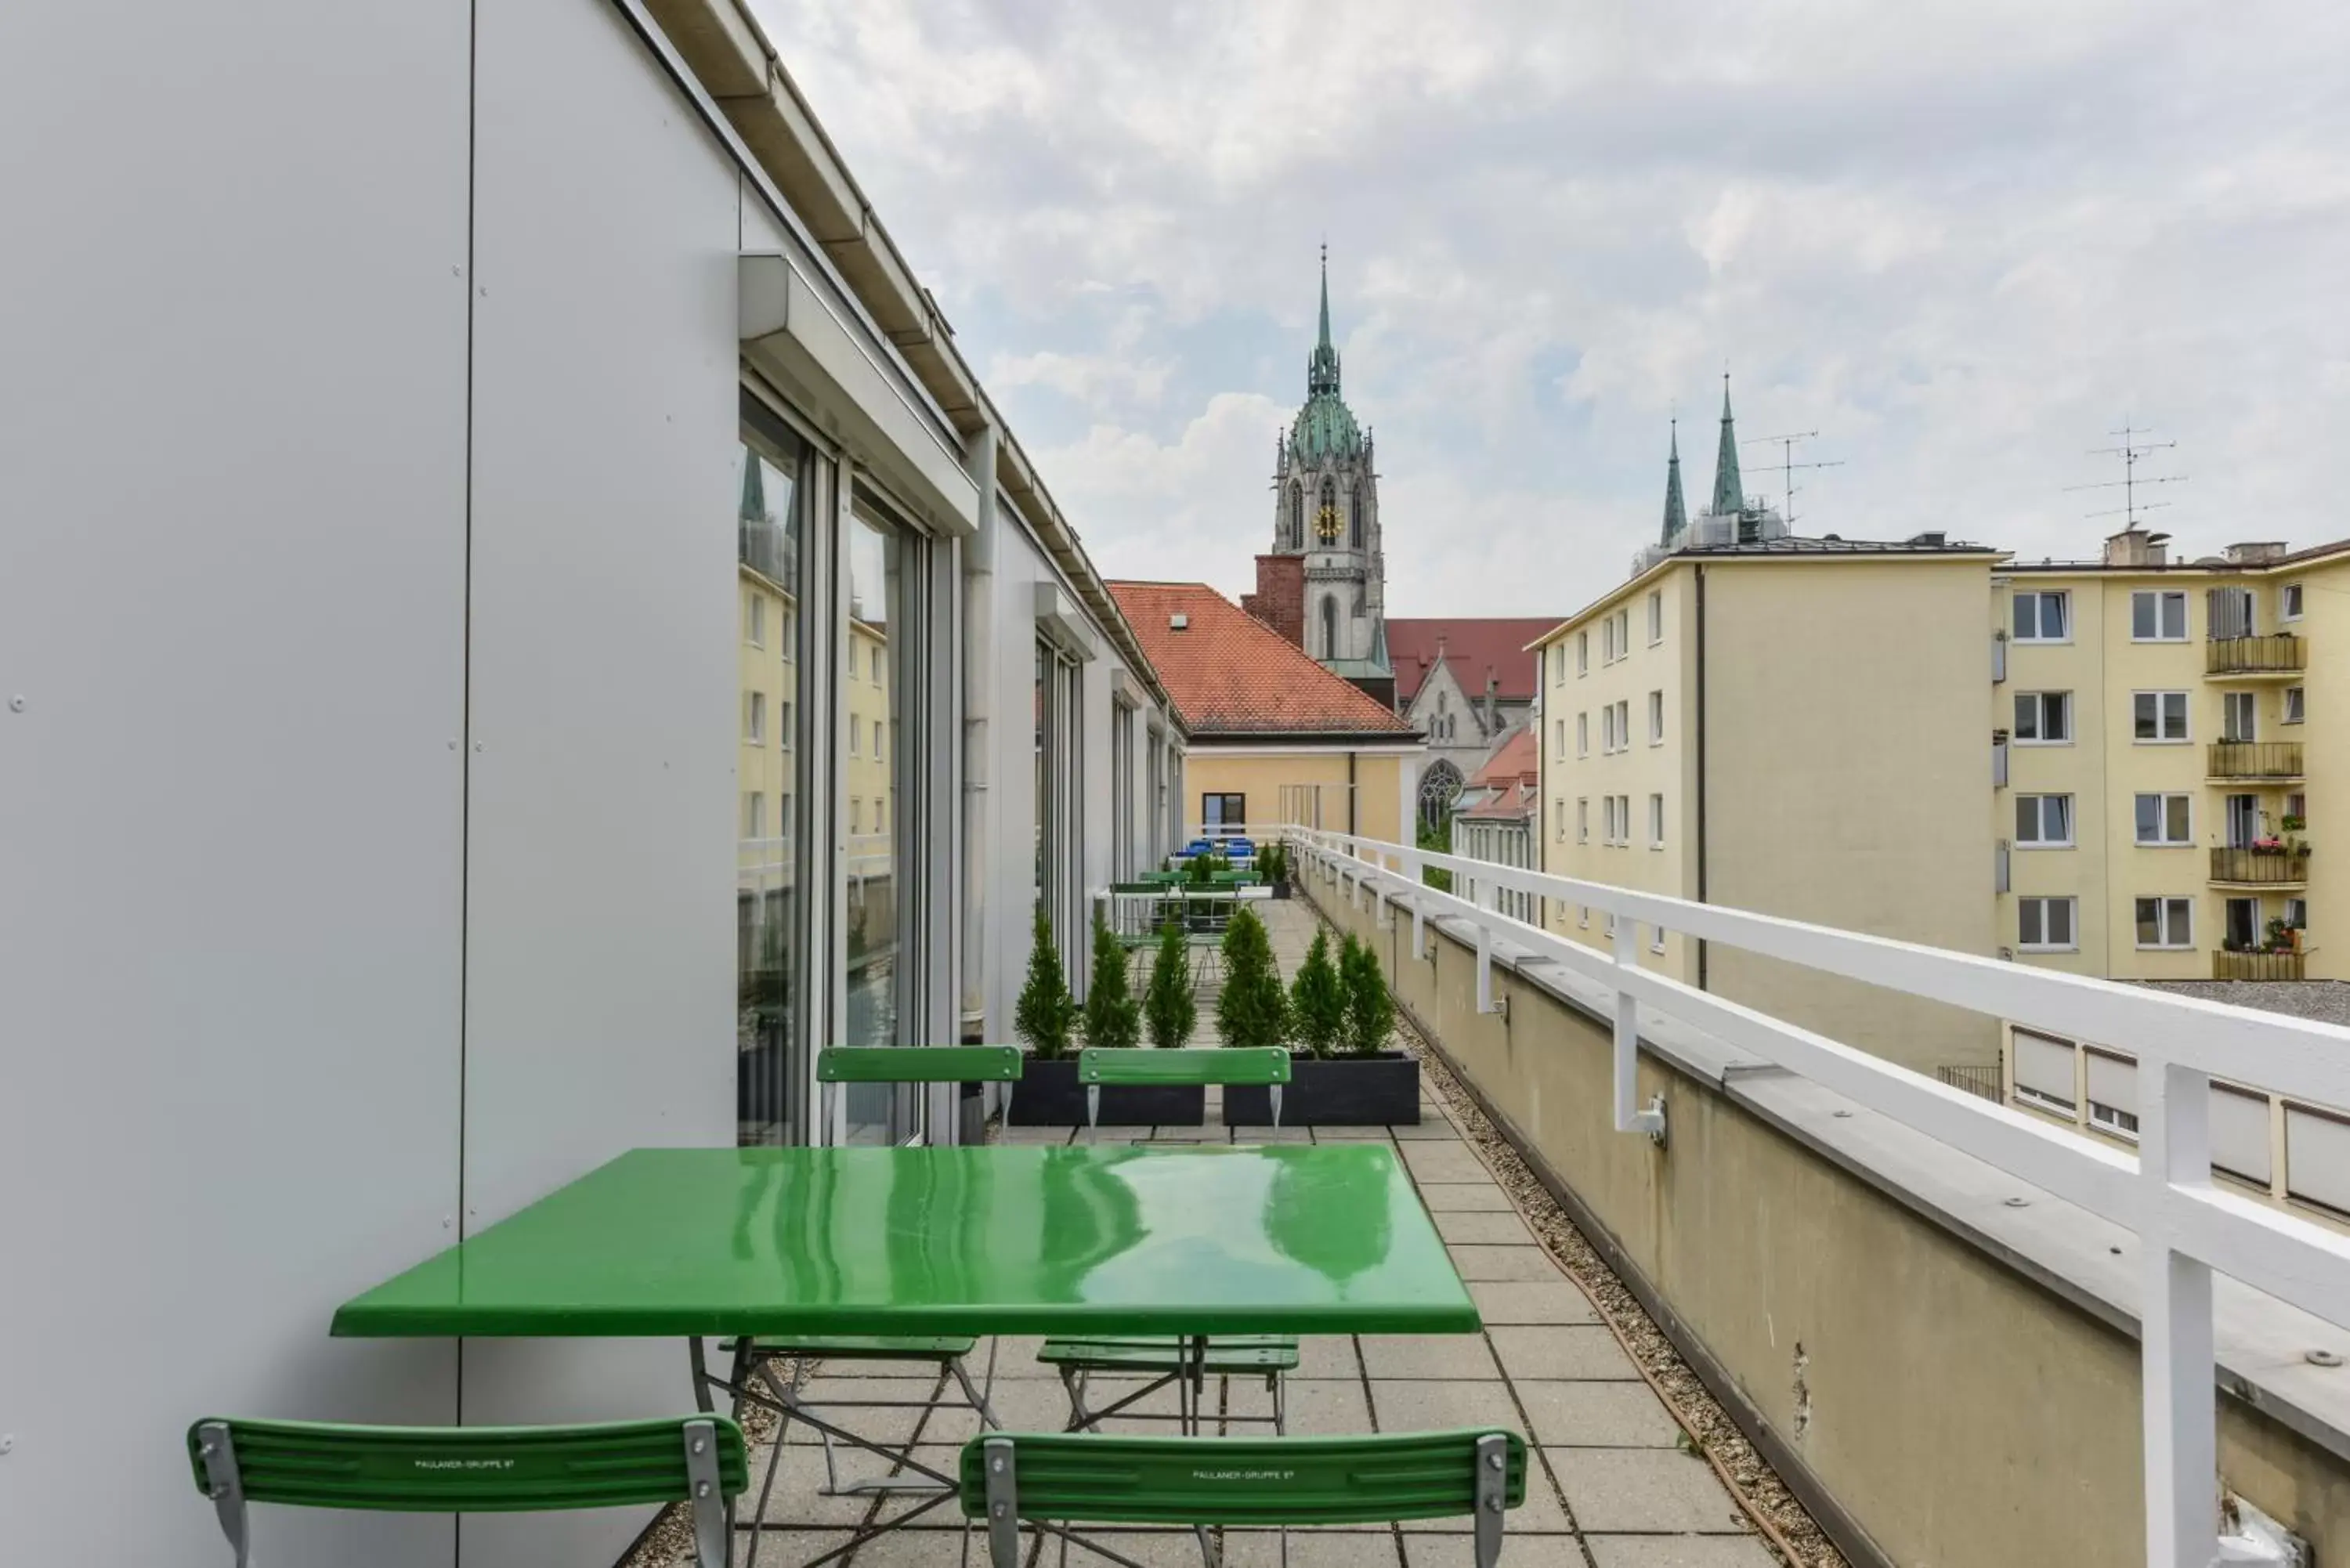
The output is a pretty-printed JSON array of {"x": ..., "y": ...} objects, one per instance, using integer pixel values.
[{"x": 2187, "y": 1226}]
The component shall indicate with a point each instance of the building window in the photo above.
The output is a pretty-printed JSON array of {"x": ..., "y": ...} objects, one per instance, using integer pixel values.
[
  {"x": 1583, "y": 819},
  {"x": 2166, "y": 924},
  {"x": 1656, "y": 617},
  {"x": 1655, "y": 718},
  {"x": 784, "y": 623},
  {"x": 1624, "y": 724},
  {"x": 1607, "y": 641},
  {"x": 2113, "y": 1119},
  {"x": 755, "y": 718},
  {"x": 854, "y": 722},
  {"x": 2240, "y": 716},
  {"x": 1223, "y": 815},
  {"x": 2044, "y": 821},
  {"x": 2043, "y": 617},
  {"x": 1297, "y": 515},
  {"x": 1583, "y": 735},
  {"x": 2159, "y": 717},
  {"x": 755, "y": 816},
  {"x": 2044, "y": 1069},
  {"x": 755, "y": 630},
  {"x": 2047, "y": 925},
  {"x": 856, "y": 816},
  {"x": 2044, "y": 718},
  {"x": 2157, "y": 616},
  {"x": 2289, "y": 601},
  {"x": 784, "y": 723},
  {"x": 2296, "y": 914},
  {"x": 1656, "y": 822},
  {"x": 1559, "y": 738},
  {"x": 1583, "y": 653},
  {"x": 2295, "y": 705},
  {"x": 2165, "y": 819}
]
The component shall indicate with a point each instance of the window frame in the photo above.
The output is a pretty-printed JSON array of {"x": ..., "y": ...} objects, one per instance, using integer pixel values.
[
  {"x": 2064, "y": 597},
  {"x": 2039, "y": 702},
  {"x": 2291, "y": 601},
  {"x": 1656, "y": 717},
  {"x": 2162, "y": 819},
  {"x": 2048, "y": 901},
  {"x": 2166, "y": 939},
  {"x": 2186, "y": 737},
  {"x": 1656, "y": 617},
  {"x": 1583, "y": 819},
  {"x": 2293, "y": 705},
  {"x": 2161, "y": 599},
  {"x": 2065, "y": 809},
  {"x": 1655, "y": 820},
  {"x": 1583, "y": 734}
]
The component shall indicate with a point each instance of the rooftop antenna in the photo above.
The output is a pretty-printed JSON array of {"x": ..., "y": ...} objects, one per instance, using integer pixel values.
[
  {"x": 2132, "y": 451},
  {"x": 1789, "y": 468}
]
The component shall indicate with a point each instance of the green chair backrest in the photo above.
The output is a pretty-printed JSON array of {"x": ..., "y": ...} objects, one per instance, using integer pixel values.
[
  {"x": 1255, "y": 1065},
  {"x": 918, "y": 1064},
  {"x": 472, "y": 1469},
  {"x": 1258, "y": 1481}
]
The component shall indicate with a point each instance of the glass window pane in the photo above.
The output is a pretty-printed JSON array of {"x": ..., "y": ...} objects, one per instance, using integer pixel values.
[
  {"x": 2027, "y": 615},
  {"x": 2149, "y": 818},
  {"x": 2149, "y": 922},
  {"x": 872, "y": 638},
  {"x": 2027, "y": 716},
  {"x": 2175, "y": 818},
  {"x": 2057, "y": 716},
  {"x": 2143, "y": 712},
  {"x": 2027, "y": 921},
  {"x": 2027, "y": 819},
  {"x": 772, "y": 472},
  {"x": 2142, "y": 615},
  {"x": 2060, "y": 922},
  {"x": 2174, "y": 714}
]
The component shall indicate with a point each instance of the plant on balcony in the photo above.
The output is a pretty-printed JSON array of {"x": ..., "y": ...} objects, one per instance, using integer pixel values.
[
  {"x": 2268, "y": 845},
  {"x": 1113, "y": 1017},
  {"x": 1370, "y": 1012},
  {"x": 1318, "y": 998},
  {"x": 1251, "y": 1009},
  {"x": 1168, "y": 1011},
  {"x": 2301, "y": 848},
  {"x": 2294, "y": 823},
  {"x": 1045, "y": 1014},
  {"x": 2278, "y": 940}
]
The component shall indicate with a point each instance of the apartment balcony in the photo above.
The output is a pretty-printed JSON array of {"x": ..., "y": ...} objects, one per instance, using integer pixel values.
[
  {"x": 2275, "y": 762},
  {"x": 2257, "y": 868},
  {"x": 2279, "y": 656},
  {"x": 2226, "y": 965}
]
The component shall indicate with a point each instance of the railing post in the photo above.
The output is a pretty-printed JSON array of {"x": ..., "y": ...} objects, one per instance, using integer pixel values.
[
  {"x": 1485, "y": 955},
  {"x": 1628, "y": 1043},
  {"x": 2174, "y": 1350}
]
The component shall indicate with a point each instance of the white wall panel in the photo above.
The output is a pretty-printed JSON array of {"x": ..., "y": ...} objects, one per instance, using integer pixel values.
[
  {"x": 232, "y": 448},
  {"x": 604, "y": 683}
]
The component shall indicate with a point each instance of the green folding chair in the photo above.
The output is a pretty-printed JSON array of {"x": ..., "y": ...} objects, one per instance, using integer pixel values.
[
  {"x": 1269, "y": 1483},
  {"x": 698, "y": 1460},
  {"x": 754, "y": 1379},
  {"x": 1157, "y": 1361},
  {"x": 1265, "y": 1067}
]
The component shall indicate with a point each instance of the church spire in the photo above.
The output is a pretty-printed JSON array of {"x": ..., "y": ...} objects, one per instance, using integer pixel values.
[
  {"x": 1729, "y": 492},
  {"x": 1321, "y": 370},
  {"x": 1675, "y": 515}
]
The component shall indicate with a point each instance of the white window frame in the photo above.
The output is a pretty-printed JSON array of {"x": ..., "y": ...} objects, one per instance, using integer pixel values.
[
  {"x": 2065, "y": 809},
  {"x": 1656, "y": 617},
  {"x": 2046, "y": 903},
  {"x": 2039, "y": 702},
  {"x": 1624, "y": 724},
  {"x": 1582, "y": 653},
  {"x": 1583, "y": 734},
  {"x": 2162, "y": 599},
  {"x": 755, "y": 815},
  {"x": 1657, "y": 718},
  {"x": 2166, "y": 939},
  {"x": 2112, "y": 1121},
  {"x": 2064, "y": 596},
  {"x": 2186, "y": 736},
  {"x": 2247, "y": 703},
  {"x": 2289, "y": 601},
  {"x": 755, "y": 622},
  {"x": 1656, "y": 821},
  {"x": 1583, "y": 819},
  {"x": 755, "y": 718},
  {"x": 2294, "y": 700},
  {"x": 2162, "y": 820}
]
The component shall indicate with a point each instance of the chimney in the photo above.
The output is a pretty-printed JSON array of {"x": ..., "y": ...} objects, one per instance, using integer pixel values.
[
  {"x": 1492, "y": 703},
  {"x": 2253, "y": 552},
  {"x": 1280, "y": 598},
  {"x": 2137, "y": 547}
]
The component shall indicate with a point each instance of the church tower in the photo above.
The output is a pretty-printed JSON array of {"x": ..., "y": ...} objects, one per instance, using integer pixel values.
[{"x": 1326, "y": 520}]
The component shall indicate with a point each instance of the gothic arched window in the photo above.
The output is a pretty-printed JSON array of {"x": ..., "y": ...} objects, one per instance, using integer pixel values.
[
  {"x": 1296, "y": 537},
  {"x": 1329, "y": 508},
  {"x": 1438, "y": 788},
  {"x": 1329, "y": 625},
  {"x": 1355, "y": 518}
]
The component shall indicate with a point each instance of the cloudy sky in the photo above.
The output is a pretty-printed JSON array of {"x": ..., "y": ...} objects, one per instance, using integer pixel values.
[{"x": 1964, "y": 240}]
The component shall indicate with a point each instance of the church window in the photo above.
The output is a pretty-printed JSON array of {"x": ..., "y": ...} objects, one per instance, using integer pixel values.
[
  {"x": 1354, "y": 519},
  {"x": 1296, "y": 535},
  {"x": 1329, "y": 625},
  {"x": 1437, "y": 789}
]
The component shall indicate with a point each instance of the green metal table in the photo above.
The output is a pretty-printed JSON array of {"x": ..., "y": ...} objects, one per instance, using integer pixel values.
[{"x": 1070, "y": 1240}]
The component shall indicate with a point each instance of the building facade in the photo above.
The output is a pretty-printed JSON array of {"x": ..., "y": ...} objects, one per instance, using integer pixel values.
[
  {"x": 1494, "y": 818},
  {"x": 641, "y": 809},
  {"x": 1468, "y": 683}
]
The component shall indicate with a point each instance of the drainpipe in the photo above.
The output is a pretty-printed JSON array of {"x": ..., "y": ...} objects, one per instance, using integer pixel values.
[
  {"x": 978, "y": 706},
  {"x": 1351, "y": 829},
  {"x": 1701, "y": 953}
]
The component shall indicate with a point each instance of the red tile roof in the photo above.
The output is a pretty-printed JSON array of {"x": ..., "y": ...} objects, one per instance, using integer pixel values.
[
  {"x": 1230, "y": 674},
  {"x": 1513, "y": 759},
  {"x": 1474, "y": 647}
]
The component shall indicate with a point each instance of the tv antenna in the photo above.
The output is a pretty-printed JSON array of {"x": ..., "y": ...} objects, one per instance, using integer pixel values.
[
  {"x": 2132, "y": 451},
  {"x": 1788, "y": 468}
]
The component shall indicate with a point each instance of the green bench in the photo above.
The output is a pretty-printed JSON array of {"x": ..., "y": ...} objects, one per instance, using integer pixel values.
[
  {"x": 698, "y": 1460},
  {"x": 1163, "y": 1359},
  {"x": 1053, "y": 1480},
  {"x": 1265, "y": 1067}
]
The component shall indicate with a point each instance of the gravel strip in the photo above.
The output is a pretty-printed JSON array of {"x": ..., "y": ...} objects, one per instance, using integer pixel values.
[{"x": 1758, "y": 1484}]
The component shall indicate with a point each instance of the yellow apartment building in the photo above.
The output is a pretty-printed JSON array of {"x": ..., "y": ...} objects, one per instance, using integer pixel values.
[
  {"x": 2167, "y": 736},
  {"x": 1792, "y": 726}
]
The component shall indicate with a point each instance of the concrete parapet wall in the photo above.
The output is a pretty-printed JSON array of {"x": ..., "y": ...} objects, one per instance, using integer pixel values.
[{"x": 1938, "y": 1382}]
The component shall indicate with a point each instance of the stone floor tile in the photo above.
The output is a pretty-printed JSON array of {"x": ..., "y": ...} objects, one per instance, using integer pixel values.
[
  {"x": 1421, "y": 1406},
  {"x": 1562, "y": 1351},
  {"x": 1502, "y": 1302},
  {"x": 1406, "y": 1355},
  {"x": 1031, "y": 1405},
  {"x": 1015, "y": 1357},
  {"x": 796, "y": 1501},
  {"x": 889, "y": 1424},
  {"x": 1644, "y": 1490},
  {"x": 1317, "y": 1407},
  {"x": 1312, "y": 1549},
  {"x": 1463, "y": 1197},
  {"x": 1428, "y": 1129},
  {"x": 777, "y": 1547},
  {"x": 1327, "y": 1355},
  {"x": 1273, "y": 1135},
  {"x": 1540, "y": 1514},
  {"x": 1596, "y": 1415},
  {"x": 1518, "y": 1551},
  {"x": 1445, "y": 1161},
  {"x": 1323, "y": 1134},
  {"x": 1033, "y": 1135},
  {"x": 1158, "y": 1549},
  {"x": 1488, "y": 1227},
  {"x": 1679, "y": 1551},
  {"x": 1527, "y": 1263}
]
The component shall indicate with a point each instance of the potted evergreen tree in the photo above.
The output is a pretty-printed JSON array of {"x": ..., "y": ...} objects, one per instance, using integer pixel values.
[
  {"x": 1251, "y": 1009},
  {"x": 1045, "y": 1019},
  {"x": 1167, "y": 1006},
  {"x": 1113, "y": 1016},
  {"x": 1345, "y": 1076}
]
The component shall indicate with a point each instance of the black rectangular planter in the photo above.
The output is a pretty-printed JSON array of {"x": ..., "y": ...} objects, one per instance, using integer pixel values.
[
  {"x": 1338, "y": 1091},
  {"x": 1049, "y": 1096}
]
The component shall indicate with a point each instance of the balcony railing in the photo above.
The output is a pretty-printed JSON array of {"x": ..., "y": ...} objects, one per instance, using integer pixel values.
[
  {"x": 2280, "y": 654},
  {"x": 2163, "y": 1191},
  {"x": 2226, "y": 965},
  {"x": 2252, "y": 865},
  {"x": 2255, "y": 758}
]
